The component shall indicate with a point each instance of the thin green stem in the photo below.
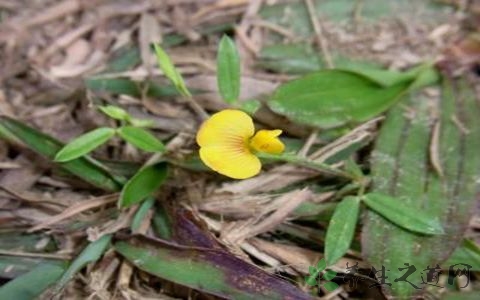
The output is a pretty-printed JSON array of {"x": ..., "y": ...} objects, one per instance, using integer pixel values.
[{"x": 305, "y": 162}]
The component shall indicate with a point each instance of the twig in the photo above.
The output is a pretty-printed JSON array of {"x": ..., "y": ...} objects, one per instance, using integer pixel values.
[
  {"x": 308, "y": 144},
  {"x": 319, "y": 35},
  {"x": 76, "y": 209},
  {"x": 30, "y": 254},
  {"x": 19, "y": 196},
  {"x": 274, "y": 27}
]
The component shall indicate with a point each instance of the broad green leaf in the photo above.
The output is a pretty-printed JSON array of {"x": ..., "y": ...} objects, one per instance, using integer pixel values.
[
  {"x": 250, "y": 106},
  {"x": 312, "y": 270},
  {"x": 90, "y": 254},
  {"x": 330, "y": 286},
  {"x": 213, "y": 271},
  {"x": 33, "y": 283},
  {"x": 228, "y": 70},
  {"x": 329, "y": 275},
  {"x": 398, "y": 212},
  {"x": 402, "y": 168},
  {"x": 86, "y": 168},
  {"x": 143, "y": 184},
  {"x": 332, "y": 98},
  {"x": 141, "y": 213},
  {"x": 141, "y": 138},
  {"x": 341, "y": 229},
  {"x": 290, "y": 58},
  {"x": 115, "y": 112},
  {"x": 84, "y": 144}
]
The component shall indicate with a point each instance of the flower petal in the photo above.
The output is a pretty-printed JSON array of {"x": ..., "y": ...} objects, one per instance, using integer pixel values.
[
  {"x": 267, "y": 141},
  {"x": 232, "y": 162},
  {"x": 226, "y": 127}
]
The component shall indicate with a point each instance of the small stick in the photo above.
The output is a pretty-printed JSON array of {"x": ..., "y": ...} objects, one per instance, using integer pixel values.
[{"x": 319, "y": 35}]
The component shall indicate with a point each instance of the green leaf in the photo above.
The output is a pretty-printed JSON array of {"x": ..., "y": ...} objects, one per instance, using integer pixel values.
[
  {"x": 329, "y": 275},
  {"x": 419, "y": 76},
  {"x": 250, "y": 106},
  {"x": 312, "y": 270},
  {"x": 460, "y": 295},
  {"x": 332, "y": 98},
  {"x": 162, "y": 223},
  {"x": 353, "y": 168},
  {"x": 84, "y": 144},
  {"x": 143, "y": 184},
  {"x": 341, "y": 229},
  {"x": 86, "y": 168},
  {"x": 115, "y": 112},
  {"x": 290, "y": 58},
  {"x": 141, "y": 122},
  {"x": 209, "y": 270},
  {"x": 402, "y": 168},
  {"x": 120, "y": 86},
  {"x": 141, "y": 213},
  {"x": 33, "y": 283},
  {"x": 410, "y": 218},
  {"x": 228, "y": 70},
  {"x": 311, "y": 280},
  {"x": 90, "y": 254},
  {"x": 330, "y": 286},
  {"x": 468, "y": 252},
  {"x": 141, "y": 138},
  {"x": 321, "y": 265},
  {"x": 166, "y": 65}
]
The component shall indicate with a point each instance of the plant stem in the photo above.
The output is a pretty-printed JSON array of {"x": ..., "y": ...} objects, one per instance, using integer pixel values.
[{"x": 305, "y": 162}]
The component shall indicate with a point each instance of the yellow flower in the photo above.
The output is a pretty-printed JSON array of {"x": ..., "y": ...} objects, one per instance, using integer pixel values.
[{"x": 228, "y": 144}]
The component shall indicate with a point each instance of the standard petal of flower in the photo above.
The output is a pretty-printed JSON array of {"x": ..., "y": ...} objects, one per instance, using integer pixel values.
[
  {"x": 226, "y": 127},
  {"x": 232, "y": 162},
  {"x": 267, "y": 141}
]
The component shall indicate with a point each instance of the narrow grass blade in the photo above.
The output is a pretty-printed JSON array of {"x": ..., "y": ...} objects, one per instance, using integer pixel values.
[
  {"x": 85, "y": 168},
  {"x": 141, "y": 213},
  {"x": 32, "y": 284},
  {"x": 90, "y": 254}
]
